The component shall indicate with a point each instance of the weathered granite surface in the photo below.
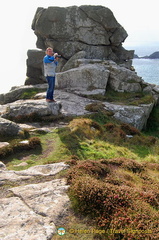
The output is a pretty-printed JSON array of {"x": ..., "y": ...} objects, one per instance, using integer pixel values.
[
  {"x": 32, "y": 211},
  {"x": 69, "y": 30},
  {"x": 76, "y": 32},
  {"x": 8, "y": 128},
  {"x": 73, "y": 104}
]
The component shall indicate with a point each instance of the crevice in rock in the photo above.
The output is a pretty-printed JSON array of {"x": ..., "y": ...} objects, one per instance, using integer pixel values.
[
  {"x": 25, "y": 203},
  {"x": 100, "y": 23}
]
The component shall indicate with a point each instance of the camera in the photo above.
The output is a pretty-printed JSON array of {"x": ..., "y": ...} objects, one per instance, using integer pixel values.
[{"x": 58, "y": 56}]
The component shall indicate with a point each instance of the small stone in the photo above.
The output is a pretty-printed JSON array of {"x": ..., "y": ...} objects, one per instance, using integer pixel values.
[
  {"x": 24, "y": 142},
  {"x": 2, "y": 166},
  {"x": 129, "y": 136},
  {"x": 22, "y": 164},
  {"x": 3, "y": 144}
]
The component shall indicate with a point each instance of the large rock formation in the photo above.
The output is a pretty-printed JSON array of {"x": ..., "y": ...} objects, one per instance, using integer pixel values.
[
  {"x": 86, "y": 77},
  {"x": 90, "y": 40},
  {"x": 72, "y": 29},
  {"x": 69, "y": 30},
  {"x": 94, "y": 74},
  {"x": 35, "y": 73}
]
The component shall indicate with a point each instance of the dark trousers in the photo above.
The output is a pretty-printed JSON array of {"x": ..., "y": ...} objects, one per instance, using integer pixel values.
[{"x": 51, "y": 86}]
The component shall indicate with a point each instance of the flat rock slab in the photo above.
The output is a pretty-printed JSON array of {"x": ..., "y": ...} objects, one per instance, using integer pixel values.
[
  {"x": 31, "y": 211},
  {"x": 40, "y": 170},
  {"x": 72, "y": 104},
  {"x": 47, "y": 199},
  {"x": 19, "y": 222},
  {"x": 27, "y": 107}
]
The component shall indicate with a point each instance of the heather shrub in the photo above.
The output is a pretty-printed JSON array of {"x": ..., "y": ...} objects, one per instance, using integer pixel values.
[
  {"x": 140, "y": 222},
  {"x": 34, "y": 142},
  {"x": 5, "y": 151},
  {"x": 85, "y": 128},
  {"x": 124, "y": 200},
  {"x": 147, "y": 141},
  {"x": 114, "y": 132},
  {"x": 110, "y": 126},
  {"x": 129, "y": 130},
  {"x": 114, "y": 161},
  {"x": 95, "y": 107},
  {"x": 133, "y": 165},
  {"x": 94, "y": 168},
  {"x": 17, "y": 146},
  {"x": 151, "y": 197},
  {"x": 100, "y": 199}
]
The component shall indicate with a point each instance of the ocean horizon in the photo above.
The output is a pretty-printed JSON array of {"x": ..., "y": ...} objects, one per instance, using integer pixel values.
[{"x": 148, "y": 69}]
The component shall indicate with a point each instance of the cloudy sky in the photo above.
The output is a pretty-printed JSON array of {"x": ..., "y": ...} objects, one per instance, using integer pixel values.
[{"x": 138, "y": 17}]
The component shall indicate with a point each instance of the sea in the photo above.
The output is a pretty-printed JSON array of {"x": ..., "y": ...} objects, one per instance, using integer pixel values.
[{"x": 148, "y": 69}]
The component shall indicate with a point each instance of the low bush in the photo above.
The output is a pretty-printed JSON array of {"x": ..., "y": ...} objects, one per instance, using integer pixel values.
[
  {"x": 94, "y": 168},
  {"x": 143, "y": 140},
  {"x": 133, "y": 166},
  {"x": 85, "y": 128},
  {"x": 34, "y": 142},
  {"x": 130, "y": 130},
  {"x": 121, "y": 201},
  {"x": 17, "y": 146}
]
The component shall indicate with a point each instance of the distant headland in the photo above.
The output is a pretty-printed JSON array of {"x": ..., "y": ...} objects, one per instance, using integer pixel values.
[{"x": 154, "y": 55}]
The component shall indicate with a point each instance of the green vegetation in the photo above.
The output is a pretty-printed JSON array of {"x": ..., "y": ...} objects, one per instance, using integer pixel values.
[
  {"x": 16, "y": 146},
  {"x": 29, "y": 93},
  {"x": 153, "y": 122},
  {"x": 113, "y": 178},
  {"x": 117, "y": 194},
  {"x": 128, "y": 98}
]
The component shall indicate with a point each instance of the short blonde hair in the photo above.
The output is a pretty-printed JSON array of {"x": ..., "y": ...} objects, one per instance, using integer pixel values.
[{"x": 49, "y": 48}]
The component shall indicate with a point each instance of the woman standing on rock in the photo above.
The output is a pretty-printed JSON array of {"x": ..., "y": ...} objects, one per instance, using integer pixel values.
[{"x": 50, "y": 62}]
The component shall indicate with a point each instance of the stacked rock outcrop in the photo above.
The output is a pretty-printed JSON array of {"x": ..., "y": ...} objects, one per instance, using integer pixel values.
[
  {"x": 89, "y": 38},
  {"x": 72, "y": 29},
  {"x": 69, "y": 30}
]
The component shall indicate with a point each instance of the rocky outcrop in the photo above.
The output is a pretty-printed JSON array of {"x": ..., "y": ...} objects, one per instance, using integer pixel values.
[
  {"x": 86, "y": 31},
  {"x": 35, "y": 171},
  {"x": 136, "y": 116},
  {"x": 72, "y": 104},
  {"x": 22, "y": 108},
  {"x": 96, "y": 74},
  {"x": 67, "y": 104},
  {"x": 124, "y": 80},
  {"x": 32, "y": 211},
  {"x": 154, "y": 55},
  {"x": 90, "y": 41},
  {"x": 86, "y": 77},
  {"x": 34, "y": 72},
  {"x": 8, "y": 128},
  {"x": 21, "y": 92},
  {"x": 93, "y": 29}
]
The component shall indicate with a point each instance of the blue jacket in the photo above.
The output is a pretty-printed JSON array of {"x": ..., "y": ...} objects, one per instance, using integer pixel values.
[{"x": 50, "y": 64}]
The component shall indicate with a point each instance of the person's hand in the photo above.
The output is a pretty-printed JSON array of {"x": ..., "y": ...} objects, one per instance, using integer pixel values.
[{"x": 55, "y": 55}]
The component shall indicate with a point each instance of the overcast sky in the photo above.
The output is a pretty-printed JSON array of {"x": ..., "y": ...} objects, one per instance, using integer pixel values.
[{"x": 138, "y": 17}]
